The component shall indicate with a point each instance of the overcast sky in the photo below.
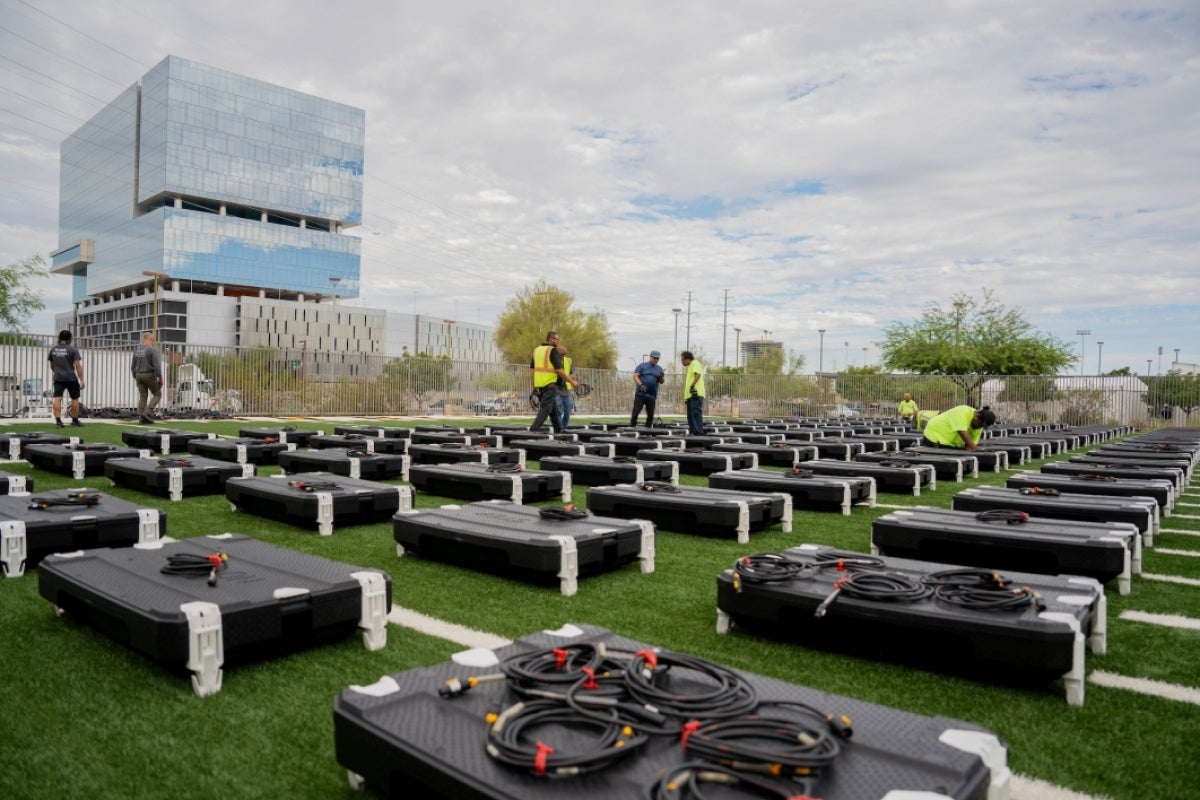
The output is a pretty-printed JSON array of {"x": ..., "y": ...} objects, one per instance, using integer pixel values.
[{"x": 779, "y": 167}]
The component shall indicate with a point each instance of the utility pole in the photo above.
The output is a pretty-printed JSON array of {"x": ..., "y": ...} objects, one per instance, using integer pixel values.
[
  {"x": 687, "y": 328},
  {"x": 1099, "y": 355},
  {"x": 724, "y": 327},
  {"x": 1081, "y": 334}
]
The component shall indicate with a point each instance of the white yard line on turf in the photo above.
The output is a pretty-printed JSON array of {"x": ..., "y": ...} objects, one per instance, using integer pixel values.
[
  {"x": 1167, "y": 620},
  {"x": 1023, "y": 787},
  {"x": 1179, "y": 531},
  {"x": 889, "y": 505},
  {"x": 1167, "y": 691},
  {"x": 1171, "y": 552},
  {"x": 1171, "y": 579},
  {"x": 459, "y": 634}
]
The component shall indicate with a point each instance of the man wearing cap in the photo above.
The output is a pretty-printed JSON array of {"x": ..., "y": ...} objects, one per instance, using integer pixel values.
[
  {"x": 647, "y": 377},
  {"x": 961, "y": 427}
]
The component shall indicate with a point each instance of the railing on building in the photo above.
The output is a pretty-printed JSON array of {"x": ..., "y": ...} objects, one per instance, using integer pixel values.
[{"x": 302, "y": 382}]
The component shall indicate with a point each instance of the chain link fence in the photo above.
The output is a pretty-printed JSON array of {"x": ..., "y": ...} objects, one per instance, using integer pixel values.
[{"x": 285, "y": 383}]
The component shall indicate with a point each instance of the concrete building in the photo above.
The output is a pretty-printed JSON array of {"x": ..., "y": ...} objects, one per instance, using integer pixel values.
[{"x": 213, "y": 208}]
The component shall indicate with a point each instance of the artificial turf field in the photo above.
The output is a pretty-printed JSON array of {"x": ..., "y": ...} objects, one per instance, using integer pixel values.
[{"x": 85, "y": 717}]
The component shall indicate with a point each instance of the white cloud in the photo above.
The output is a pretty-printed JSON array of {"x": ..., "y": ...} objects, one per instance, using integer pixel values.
[{"x": 1049, "y": 151}]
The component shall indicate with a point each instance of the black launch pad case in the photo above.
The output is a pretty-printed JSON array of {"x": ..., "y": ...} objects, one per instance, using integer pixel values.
[
  {"x": 318, "y": 499},
  {"x": 33, "y": 526},
  {"x": 77, "y": 460},
  {"x": 400, "y": 738},
  {"x": 349, "y": 463},
  {"x": 162, "y": 440},
  {"x": 702, "y": 462},
  {"x": 523, "y": 542},
  {"x": 1162, "y": 491},
  {"x": 601, "y": 471},
  {"x": 468, "y": 481},
  {"x": 1040, "y": 642},
  {"x": 175, "y": 476},
  {"x": 11, "y": 443},
  {"x": 264, "y": 600},
  {"x": 1012, "y": 540},
  {"x": 898, "y": 477},
  {"x": 694, "y": 509},
  {"x": 239, "y": 449},
  {"x": 807, "y": 489},
  {"x": 1141, "y": 512}
]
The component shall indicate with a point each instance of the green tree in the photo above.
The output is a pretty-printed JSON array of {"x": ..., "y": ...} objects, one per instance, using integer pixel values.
[
  {"x": 1173, "y": 390},
  {"x": 17, "y": 300},
  {"x": 971, "y": 341},
  {"x": 418, "y": 377},
  {"x": 1121, "y": 371},
  {"x": 526, "y": 318}
]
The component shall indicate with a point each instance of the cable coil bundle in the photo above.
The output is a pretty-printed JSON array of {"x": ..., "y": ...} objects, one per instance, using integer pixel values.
[{"x": 982, "y": 590}]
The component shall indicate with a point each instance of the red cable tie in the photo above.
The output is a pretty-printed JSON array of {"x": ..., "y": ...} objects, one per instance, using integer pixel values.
[
  {"x": 590, "y": 683},
  {"x": 688, "y": 729},
  {"x": 539, "y": 761},
  {"x": 650, "y": 657},
  {"x": 560, "y": 657},
  {"x": 840, "y": 582},
  {"x": 214, "y": 559},
  {"x": 841, "y": 565}
]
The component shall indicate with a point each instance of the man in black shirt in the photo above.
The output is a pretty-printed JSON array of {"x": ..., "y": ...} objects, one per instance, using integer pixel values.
[
  {"x": 67, "y": 364},
  {"x": 147, "y": 373}
]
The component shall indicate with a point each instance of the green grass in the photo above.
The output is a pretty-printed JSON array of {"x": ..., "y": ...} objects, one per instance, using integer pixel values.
[{"x": 84, "y": 716}]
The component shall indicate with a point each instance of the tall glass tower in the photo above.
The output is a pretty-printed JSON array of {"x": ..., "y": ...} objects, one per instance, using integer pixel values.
[{"x": 199, "y": 182}]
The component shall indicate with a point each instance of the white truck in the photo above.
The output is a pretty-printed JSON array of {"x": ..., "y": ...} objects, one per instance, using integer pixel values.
[{"x": 193, "y": 391}]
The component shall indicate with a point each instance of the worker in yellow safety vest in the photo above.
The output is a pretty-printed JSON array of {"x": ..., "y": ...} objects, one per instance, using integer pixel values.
[{"x": 549, "y": 380}]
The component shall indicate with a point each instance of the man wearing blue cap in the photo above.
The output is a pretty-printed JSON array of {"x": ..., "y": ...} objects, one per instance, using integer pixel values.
[{"x": 647, "y": 378}]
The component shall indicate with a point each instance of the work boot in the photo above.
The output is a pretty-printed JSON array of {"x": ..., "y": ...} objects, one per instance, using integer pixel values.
[
  {"x": 58, "y": 423},
  {"x": 145, "y": 421},
  {"x": 76, "y": 423}
]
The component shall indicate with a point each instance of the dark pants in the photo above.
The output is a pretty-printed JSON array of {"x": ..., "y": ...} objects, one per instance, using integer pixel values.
[
  {"x": 695, "y": 415},
  {"x": 147, "y": 385},
  {"x": 640, "y": 401},
  {"x": 547, "y": 407}
]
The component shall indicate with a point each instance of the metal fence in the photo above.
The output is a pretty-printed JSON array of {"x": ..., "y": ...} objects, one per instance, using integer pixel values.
[{"x": 281, "y": 383}]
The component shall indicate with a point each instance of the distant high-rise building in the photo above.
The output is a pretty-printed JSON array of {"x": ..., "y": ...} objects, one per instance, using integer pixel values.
[
  {"x": 753, "y": 350},
  {"x": 198, "y": 183}
]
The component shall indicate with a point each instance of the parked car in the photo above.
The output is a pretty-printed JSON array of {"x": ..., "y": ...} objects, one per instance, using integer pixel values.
[
  {"x": 838, "y": 411},
  {"x": 491, "y": 406}
]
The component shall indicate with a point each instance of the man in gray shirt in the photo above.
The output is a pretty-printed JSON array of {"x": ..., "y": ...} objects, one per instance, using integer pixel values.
[
  {"x": 67, "y": 365},
  {"x": 147, "y": 372}
]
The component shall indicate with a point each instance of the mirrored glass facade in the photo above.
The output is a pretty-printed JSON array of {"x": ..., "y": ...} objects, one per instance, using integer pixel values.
[{"x": 215, "y": 180}]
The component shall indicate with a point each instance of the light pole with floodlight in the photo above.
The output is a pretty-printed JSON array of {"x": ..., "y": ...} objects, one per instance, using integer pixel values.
[
  {"x": 1081, "y": 334},
  {"x": 1099, "y": 355}
]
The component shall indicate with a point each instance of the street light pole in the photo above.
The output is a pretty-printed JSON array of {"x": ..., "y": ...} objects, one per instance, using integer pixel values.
[
  {"x": 1099, "y": 354},
  {"x": 847, "y": 346},
  {"x": 864, "y": 357},
  {"x": 1081, "y": 334},
  {"x": 156, "y": 276},
  {"x": 1177, "y": 349},
  {"x": 821, "y": 356},
  {"x": 737, "y": 347},
  {"x": 1160, "y": 359}
]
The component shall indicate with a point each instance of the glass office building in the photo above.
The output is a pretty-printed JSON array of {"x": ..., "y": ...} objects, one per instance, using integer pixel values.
[{"x": 205, "y": 182}]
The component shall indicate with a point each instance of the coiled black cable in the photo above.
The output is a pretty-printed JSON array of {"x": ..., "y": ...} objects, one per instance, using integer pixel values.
[
  {"x": 687, "y": 687},
  {"x": 75, "y": 497},
  {"x": 194, "y": 565},
  {"x": 562, "y": 513},
  {"x": 1005, "y": 515},
  {"x": 511, "y": 739},
  {"x": 982, "y": 590},
  {"x": 798, "y": 746},
  {"x": 315, "y": 486},
  {"x": 1048, "y": 492},
  {"x": 685, "y": 782},
  {"x": 659, "y": 486},
  {"x": 768, "y": 568},
  {"x": 504, "y": 468},
  {"x": 166, "y": 463}
]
